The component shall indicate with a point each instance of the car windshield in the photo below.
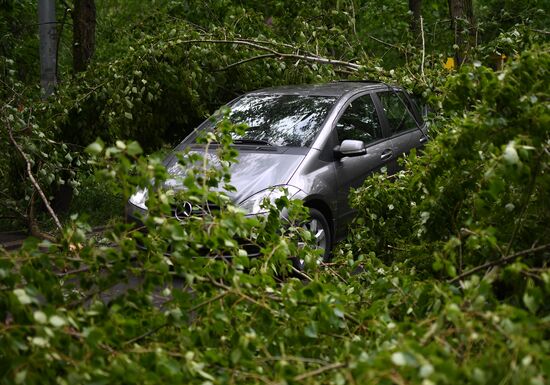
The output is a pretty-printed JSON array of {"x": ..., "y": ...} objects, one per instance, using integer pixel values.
[{"x": 280, "y": 120}]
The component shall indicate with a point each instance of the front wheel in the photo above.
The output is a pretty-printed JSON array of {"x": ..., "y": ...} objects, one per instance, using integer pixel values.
[{"x": 318, "y": 226}]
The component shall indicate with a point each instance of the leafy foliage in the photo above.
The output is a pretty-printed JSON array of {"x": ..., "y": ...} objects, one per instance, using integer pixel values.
[
  {"x": 202, "y": 319},
  {"x": 445, "y": 274},
  {"x": 476, "y": 193}
]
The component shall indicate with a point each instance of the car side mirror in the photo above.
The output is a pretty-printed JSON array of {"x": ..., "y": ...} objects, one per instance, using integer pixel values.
[{"x": 350, "y": 148}]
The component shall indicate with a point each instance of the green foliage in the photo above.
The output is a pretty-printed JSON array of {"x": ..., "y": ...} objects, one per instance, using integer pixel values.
[
  {"x": 478, "y": 191},
  {"x": 96, "y": 203},
  {"x": 502, "y": 16},
  {"x": 18, "y": 39},
  {"x": 52, "y": 163},
  {"x": 86, "y": 310},
  {"x": 444, "y": 278}
]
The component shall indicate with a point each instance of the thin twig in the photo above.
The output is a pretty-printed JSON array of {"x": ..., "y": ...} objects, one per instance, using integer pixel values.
[
  {"x": 92, "y": 90},
  {"x": 313, "y": 373},
  {"x": 335, "y": 273},
  {"x": 540, "y": 31},
  {"x": 236, "y": 291},
  {"x": 33, "y": 180},
  {"x": 386, "y": 43},
  {"x": 265, "y": 56},
  {"x": 145, "y": 335},
  {"x": 301, "y": 273},
  {"x": 276, "y": 44},
  {"x": 208, "y": 301},
  {"x": 255, "y": 376},
  {"x": 423, "y": 49},
  {"x": 75, "y": 271},
  {"x": 500, "y": 261},
  {"x": 294, "y": 358}
]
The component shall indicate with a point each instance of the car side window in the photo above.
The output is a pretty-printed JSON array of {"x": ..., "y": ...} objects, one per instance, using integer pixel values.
[
  {"x": 359, "y": 121},
  {"x": 412, "y": 105},
  {"x": 399, "y": 117}
]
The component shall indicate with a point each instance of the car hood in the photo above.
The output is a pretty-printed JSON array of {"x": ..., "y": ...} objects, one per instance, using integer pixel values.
[{"x": 253, "y": 172}]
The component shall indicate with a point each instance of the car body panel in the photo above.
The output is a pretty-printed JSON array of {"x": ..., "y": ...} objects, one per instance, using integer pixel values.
[
  {"x": 352, "y": 172},
  {"x": 254, "y": 171},
  {"x": 322, "y": 179}
]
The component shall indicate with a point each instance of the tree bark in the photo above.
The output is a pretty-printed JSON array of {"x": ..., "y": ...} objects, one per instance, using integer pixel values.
[
  {"x": 463, "y": 26},
  {"x": 415, "y": 6},
  {"x": 84, "y": 22}
]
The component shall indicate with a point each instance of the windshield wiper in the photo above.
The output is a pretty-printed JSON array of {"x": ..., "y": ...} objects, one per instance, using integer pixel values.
[{"x": 252, "y": 141}]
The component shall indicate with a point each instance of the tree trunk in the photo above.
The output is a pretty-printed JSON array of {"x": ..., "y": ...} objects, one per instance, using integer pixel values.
[
  {"x": 84, "y": 21},
  {"x": 415, "y": 6},
  {"x": 463, "y": 26},
  {"x": 48, "y": 38}
]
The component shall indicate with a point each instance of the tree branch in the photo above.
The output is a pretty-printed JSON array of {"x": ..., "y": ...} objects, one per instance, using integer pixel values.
[
  {"x": 33, "y": 225},
  {"x": 386, "y": 43},
  {"x": 252, "y": 44},
  {"x": 303, "y": 376},
  {"x": 500, "y": 261},
  {"x": 33, "y": 180},
  {"x": 145, "y": 335},
  {"x": 244, "y": 296},
  {"x": 265, "y": 56},
  {"x": 423, "y": 49},
  {"x": 540, "y": 31}
]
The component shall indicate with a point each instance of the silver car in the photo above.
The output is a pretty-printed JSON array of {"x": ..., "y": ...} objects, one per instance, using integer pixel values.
[{"x": 315, "y": 141}]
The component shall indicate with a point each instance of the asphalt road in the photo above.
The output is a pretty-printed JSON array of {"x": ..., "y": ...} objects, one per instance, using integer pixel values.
[{"x": 12, "y": 240}]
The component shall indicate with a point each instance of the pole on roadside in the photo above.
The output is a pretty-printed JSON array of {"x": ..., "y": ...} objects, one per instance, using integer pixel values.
[{"x": 48, "y": 45}]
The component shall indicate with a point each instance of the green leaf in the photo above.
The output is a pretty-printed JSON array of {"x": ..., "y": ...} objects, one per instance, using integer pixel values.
[
  {"x": 57, "y": 321},
  {"x": 531, "y": 302},
  {"x": 134, "y": 149},
  {"x": 94, "y": 148},
  {"x": 40, "y": 317},
  {"x": 236, "y": 355},
  {"x": 311, "y": 330},
  {"x": 20, "y": 377},
  {"x": 338, "y": 313}
]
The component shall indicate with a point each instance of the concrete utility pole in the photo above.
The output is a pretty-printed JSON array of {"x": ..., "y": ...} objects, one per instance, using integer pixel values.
[{"x": 48, "y": 45}]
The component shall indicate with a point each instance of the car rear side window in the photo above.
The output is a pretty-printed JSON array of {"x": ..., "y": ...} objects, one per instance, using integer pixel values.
[
  {"x": 360, "y": 121},
  {"x": 399, "y": 117}
]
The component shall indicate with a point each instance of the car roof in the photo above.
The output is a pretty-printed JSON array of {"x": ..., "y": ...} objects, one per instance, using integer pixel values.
[{"x": 336, "y": 89}]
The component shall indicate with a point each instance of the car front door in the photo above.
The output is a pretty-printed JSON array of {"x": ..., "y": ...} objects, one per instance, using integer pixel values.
[
  {"x": 359, "y": 121},
  {"x": 406, "y": 131}
]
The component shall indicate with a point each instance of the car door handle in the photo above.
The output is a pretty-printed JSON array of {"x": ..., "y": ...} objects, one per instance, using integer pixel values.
[
  {"x": 424, "y": 139},
  {"x": 386, "y": 154}
]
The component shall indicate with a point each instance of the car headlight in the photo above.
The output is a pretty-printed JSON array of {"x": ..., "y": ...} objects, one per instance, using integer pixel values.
[
  {"x": 139, "y": 198},
  {"x": 253, "y": 204}
]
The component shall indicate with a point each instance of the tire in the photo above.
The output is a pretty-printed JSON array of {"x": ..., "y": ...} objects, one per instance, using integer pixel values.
[{"x": 320, "y": 229}]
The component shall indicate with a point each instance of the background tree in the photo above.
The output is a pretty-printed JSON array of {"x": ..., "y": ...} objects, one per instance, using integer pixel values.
[
  {"x": 415, "y": 6},
  {"x": 84, "y": 25},
  {"x": 463, "y": 27}
]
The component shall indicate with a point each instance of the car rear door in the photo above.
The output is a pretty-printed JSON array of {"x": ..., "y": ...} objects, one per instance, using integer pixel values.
[
  {"x": 359, "y": 120},
  {"x": 407, "y": 131}
]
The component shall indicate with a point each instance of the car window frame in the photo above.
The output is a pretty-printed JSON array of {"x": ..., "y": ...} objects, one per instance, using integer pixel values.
[
  {"x": 415, "y": 108},
  {"x": 384, "y": 120},
  {"x": 379, "y": 111}
]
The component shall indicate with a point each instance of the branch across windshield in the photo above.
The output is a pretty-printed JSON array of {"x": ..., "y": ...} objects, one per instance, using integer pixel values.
[{"x": 280, "y": 120}]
